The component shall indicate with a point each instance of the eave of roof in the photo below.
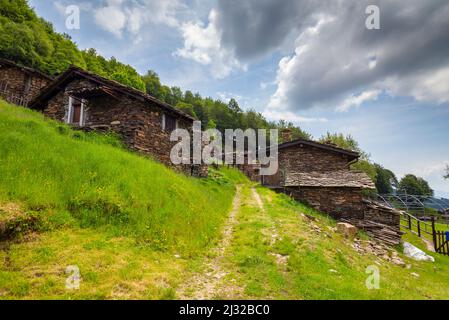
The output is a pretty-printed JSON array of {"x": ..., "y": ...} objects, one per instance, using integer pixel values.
[
  {"x": 352, "y": 154},
  {"x": 27, "y": 69},
  {"x": 74, "y": 72}
]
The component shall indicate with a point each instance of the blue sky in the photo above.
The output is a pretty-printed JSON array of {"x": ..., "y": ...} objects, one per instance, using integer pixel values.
[{"x": 313, "y": 63}]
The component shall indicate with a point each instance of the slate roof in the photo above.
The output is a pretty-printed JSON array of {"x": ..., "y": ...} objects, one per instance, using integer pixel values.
[
  {"x": 352, "y": 155},
  {"x": 74, "y": 72},
  {"x": 341, "y": 178},
  {"x": 10, "y": 63}
]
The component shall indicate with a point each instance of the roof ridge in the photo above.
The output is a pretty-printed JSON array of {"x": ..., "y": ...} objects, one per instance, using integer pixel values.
[
  {"x": 319, "y": 144},
  {"x": 19, "y": 65},
  {"x": 109, "y": 82}
]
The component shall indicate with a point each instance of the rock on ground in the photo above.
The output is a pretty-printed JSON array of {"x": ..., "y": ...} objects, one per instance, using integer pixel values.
[
  {"x": 348, "y": 230},
  {"x": 415, "y": 253}
]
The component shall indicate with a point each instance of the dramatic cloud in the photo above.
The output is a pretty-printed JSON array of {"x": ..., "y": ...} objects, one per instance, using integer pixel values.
[
  {"x": 203, "y": 44},
  {"x": 338, "y": 62},
  {"x": 335, "y": 61},
  {"x": 329, "y": 58}
]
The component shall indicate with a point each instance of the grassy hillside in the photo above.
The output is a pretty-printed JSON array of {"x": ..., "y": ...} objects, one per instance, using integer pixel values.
[
  {"x": 70, "y": 177},
  {"x": 288, "y": 251},
  {"x": 137, "y": 230}
]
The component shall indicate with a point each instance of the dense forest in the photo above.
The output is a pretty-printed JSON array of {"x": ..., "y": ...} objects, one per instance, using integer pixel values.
[{"x": 32, "y": 41}]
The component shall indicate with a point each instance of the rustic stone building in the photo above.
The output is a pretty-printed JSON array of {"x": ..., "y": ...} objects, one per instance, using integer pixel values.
[
  {"x": 320, "y": 175},
  {"x": 19, "y": 84},
  {"x": 90, "y": 102}
]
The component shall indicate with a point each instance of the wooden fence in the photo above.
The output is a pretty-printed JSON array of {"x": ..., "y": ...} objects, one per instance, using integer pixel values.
[
  {"x": 441, "y": 242},
  {"x": 440, "y": 239},
  {"x": 10, "y": 97}
]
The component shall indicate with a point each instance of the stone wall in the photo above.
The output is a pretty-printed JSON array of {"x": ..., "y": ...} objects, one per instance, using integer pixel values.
[
  {"x": 340, "y": 203},
  {"x": 381, "y": 214},
  {"x": 139, "y": 123},
  {"x": 18, "y": 84},
  {"x": 347, "y": 204},
  {"x": 304, "y": 158},
  {"x": 252, "y": 171}
]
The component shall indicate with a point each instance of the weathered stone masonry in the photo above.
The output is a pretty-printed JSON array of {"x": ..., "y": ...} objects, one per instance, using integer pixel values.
[
  {"x": 319, "y": 175},
  {"x": 109, "y": 106},
  {"x": 19, "y": 84}
]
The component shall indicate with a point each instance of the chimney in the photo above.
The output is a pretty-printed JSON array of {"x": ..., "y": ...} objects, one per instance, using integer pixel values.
[{"x": 286, "y": 135}]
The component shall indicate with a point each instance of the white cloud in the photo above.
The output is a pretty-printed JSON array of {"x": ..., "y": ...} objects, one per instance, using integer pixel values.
[
  {"x": 431, "y": 169},
  {"x": 61, "y": 7},
  {"x": 202, "y": 43},
  {"x": 117, "y": 16},
  {"x": 357, "y": 100},
  {"x": 276, "y": 115},
  {"x": 112, "y": 19},
  {"x": 432, "y": 172},
  {"x": 427, "y": 85},
  {"x": 226, "y": 96}
]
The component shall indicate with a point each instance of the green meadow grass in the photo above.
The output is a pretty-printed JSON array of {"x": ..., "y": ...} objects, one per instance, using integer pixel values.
[
  {"x": 317, "y": 265},
  {"x": 138, "y": 230},
  {"x": 88, "y": 179}
]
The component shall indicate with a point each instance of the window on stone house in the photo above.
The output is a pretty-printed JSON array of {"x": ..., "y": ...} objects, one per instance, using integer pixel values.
[
  {"x": 76, "y": 111},
  {"x": 169, "y": 123}
]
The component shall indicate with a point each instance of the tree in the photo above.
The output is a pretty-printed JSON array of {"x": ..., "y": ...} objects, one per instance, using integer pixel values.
[
  {"x": 176, "y": 95},
  {"x": 447, "y": 172},
  {"x": 345, "y": 142},
  {"x": 128, "y": 79},
  {"x": 413, "y": 185},
  {"x": 348, "y": 142},
  {"x": 385, "y": 180},
  {"x": 153, "y": 84},
  {"x": 297, "y": 132},
  {"x": 187, "y": 108},
  {"x": 234, "y": 106}
]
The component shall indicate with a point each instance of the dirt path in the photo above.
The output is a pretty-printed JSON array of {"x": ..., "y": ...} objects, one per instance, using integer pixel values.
[
  {"x": 202, "y": 286},
  {"x": 273, "y": 232},
  {"x": 429, "y": 244}
]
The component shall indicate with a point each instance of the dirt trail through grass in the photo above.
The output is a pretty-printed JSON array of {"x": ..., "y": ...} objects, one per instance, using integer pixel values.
[
  {"x": 273, "y": 232},
  {"x": 203, "y": 285}
]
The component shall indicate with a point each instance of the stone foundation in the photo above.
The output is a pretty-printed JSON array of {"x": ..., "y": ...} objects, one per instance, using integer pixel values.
[
  {"x": 347, "y": 204},
  {"x": 340, "y": 203}
]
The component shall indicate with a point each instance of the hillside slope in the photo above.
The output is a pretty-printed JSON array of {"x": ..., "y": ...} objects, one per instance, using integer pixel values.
[
  {"x": 136, "y": 230},
  {"x": 50, "y": 168}
]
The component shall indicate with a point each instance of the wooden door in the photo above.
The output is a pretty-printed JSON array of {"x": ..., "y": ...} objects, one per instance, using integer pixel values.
[{"x": 76, "y": 111}]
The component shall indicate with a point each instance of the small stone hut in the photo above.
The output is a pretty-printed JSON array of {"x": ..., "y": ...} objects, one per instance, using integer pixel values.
[
  {"x": 19, "y": 84},
  {"x": 90, "y": 102},
  {"x": 319, "y": 175}
]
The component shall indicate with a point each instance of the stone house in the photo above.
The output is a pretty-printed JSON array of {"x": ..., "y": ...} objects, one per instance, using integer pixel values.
[
  {"x": 250, "y": 170},
  {"x": 19, "y": 84},
  {"x": 320, "y": 175},
  {"x": 90, "y": 102}
]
